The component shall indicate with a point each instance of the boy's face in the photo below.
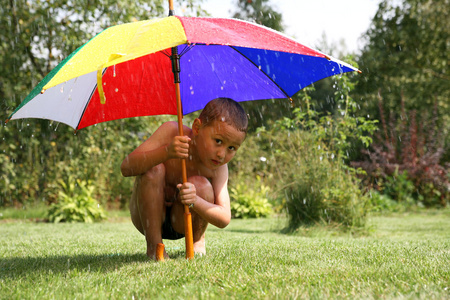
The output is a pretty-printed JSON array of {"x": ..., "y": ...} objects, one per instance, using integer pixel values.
[{"x": 216, "y": 143}]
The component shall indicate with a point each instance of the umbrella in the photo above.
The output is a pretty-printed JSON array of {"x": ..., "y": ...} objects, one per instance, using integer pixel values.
[{"x": 129, "y": 70}]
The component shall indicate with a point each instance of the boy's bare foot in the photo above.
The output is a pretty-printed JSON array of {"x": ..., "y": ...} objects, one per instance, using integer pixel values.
[{"x": 200, "y": 248}]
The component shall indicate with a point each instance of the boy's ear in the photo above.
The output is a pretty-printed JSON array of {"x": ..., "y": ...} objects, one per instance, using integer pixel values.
[{"x": 196, "y": 126}]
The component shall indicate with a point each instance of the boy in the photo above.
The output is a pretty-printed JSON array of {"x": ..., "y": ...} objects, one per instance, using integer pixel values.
[{"x": 156, "y": 205}]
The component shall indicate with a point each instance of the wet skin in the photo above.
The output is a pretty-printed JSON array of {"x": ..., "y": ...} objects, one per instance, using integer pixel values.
[{"x": 207, "y": 150}]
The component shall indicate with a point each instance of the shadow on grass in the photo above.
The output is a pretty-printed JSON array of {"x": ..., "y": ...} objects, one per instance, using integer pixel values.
[
  {"x": 17, "y": 267},
  {"x": 253, "y": 230}
]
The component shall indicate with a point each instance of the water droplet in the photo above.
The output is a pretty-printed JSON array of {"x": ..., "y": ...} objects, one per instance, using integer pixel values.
[
  {"x": 116, "y": 90},
  {"x": 114, "y": 71}
]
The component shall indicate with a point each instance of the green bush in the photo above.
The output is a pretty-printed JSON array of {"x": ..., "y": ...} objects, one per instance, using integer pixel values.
[
  {"x": 37, "y": 153},
  {"x": 75, "y": 204},
  {"x": 248, "y": 202},
  {"x": 315, "y": 186},
  {"x": 400, "y": 188},
  {"x": 381, "y": 203}
]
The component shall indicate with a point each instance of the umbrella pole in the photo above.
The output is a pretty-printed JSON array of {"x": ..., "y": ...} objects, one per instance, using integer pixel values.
[{"x": 188, "y": 236}]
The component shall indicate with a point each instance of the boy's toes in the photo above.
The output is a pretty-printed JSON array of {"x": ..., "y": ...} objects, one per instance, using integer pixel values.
[{"x": 200, "y": 251}]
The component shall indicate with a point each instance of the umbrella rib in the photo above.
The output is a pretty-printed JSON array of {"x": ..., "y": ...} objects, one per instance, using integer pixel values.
[
  {"x": 281, "y": 89},
  {"x": 87, "y": 102}
]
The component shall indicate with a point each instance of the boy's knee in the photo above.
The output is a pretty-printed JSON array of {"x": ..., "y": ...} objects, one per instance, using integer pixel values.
[
  {"x": 203, "y": 187},
  {"x": 156, "y": 173}
]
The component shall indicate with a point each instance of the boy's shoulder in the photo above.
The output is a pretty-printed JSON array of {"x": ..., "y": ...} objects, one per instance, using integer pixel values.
[{"x": 171, "y": 128}]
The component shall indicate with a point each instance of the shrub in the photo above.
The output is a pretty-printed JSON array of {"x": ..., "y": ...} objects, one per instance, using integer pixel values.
[
  {"x": 75, "y": 204},
  {"x": 382, "y": 203},
  {"x": 399, "y": 187},
  {"x": 250, "y": 202},
  {"x": 315, "y": 186},
  {"x": 405, "y": 161}
]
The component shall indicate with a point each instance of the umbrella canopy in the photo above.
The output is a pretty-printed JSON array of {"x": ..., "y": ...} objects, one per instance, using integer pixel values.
[{"x": 131, "y": 64}]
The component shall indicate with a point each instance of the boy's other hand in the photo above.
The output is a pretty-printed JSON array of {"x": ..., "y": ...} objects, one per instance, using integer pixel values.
[
  {"x": 179, "y": 147},
  {"x": 188, "y": 193}
]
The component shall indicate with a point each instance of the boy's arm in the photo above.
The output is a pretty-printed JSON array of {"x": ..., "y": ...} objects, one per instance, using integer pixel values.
[
  {"x": 162, "y": 145},
  {"x": 219, "y": 212}
]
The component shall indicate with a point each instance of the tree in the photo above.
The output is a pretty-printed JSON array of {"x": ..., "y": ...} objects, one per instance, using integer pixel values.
[
  {"x": 406, "y": 57},
  {"x": 405, "y": 84},
  {"x": 259, "y": 12}
]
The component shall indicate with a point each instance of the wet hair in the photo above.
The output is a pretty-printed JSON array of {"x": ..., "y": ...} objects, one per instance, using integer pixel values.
[{"x": 226, "y": 110}]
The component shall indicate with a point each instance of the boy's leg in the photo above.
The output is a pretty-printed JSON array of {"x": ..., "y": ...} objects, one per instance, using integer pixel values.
[
  {"x": 204, "y": 190},
  {"x": 147, "y": 207}
]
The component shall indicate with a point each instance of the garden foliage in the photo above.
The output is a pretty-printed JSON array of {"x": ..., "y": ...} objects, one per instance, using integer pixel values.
[
  {"x": 250, "y": 202},
  {"x": 405, "y": 161},
  {"x": 75, "y": 203}
]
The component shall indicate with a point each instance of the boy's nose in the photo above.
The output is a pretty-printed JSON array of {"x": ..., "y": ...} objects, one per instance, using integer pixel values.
[{"x": 221, "y": 153}]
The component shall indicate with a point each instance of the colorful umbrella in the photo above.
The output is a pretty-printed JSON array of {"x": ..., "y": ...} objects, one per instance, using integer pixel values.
[
  {"x": 128, "y": 71},
  {"x": 218, "y": 58}
]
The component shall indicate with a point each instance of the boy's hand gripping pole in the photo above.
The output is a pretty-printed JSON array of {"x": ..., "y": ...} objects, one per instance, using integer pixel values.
[{"x": 189, "y": 238}]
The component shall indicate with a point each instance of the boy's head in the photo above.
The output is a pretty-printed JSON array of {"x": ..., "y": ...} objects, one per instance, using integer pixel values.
[
  {"x": 219, "y": 131},
  {"x": 226, "y": 110}
]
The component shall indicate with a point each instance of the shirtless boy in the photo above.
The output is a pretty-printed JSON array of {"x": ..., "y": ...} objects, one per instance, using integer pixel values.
[{"x": 156, "y": 205}]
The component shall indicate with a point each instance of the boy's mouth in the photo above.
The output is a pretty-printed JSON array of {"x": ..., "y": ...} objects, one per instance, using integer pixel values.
[{"x": 215, "y": 162}]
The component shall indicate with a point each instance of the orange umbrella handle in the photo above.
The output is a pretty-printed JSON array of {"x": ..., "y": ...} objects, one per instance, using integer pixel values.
[
  {"x": 188, "y": 236},
  {"x": 160, "y": 252}
]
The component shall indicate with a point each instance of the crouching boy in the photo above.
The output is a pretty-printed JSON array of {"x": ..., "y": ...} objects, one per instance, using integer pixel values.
[{"x": 156, "y": 205}]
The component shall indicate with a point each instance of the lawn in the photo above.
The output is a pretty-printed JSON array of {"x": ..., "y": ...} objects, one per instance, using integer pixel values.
[{"x": 401, "y": 256}]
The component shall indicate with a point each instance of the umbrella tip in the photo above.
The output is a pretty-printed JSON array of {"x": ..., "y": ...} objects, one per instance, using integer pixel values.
[
  {"x": 7, "y": 120},
  {"x": 171, "y": 10},
  {"x": 42, "y": 91},
  {"x": 359, "y": 71}
]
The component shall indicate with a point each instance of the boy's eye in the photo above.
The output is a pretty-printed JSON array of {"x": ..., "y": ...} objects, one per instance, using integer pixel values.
[
  {"x": 232, "y": 148},
  {"x": 218, "y": 141}
]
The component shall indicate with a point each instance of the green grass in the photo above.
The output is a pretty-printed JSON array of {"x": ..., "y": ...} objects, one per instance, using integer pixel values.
[
  {"x": 25, "y": 213},
  {"x": 403, "y": 256}
]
